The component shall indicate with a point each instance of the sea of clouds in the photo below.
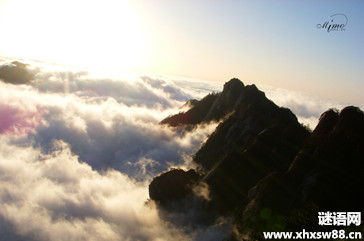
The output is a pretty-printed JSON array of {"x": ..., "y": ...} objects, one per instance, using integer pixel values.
[
  {"x": 78, "y": 151},
  {"x": 79, "y": 148}
]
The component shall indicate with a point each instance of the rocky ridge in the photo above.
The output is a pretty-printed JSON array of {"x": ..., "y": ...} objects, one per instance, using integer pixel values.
[{"x": 261, "y": 159}]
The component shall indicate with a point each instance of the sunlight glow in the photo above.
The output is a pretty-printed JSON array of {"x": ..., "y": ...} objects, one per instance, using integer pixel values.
[{"x": 86, "y": 33}]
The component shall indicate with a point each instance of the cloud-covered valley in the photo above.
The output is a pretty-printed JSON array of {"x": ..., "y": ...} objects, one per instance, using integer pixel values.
[
  {"x": 78, "y": 153},
  {"x": 78, "y": 150},
  {"x": 107, "y": 123},
  {"x": 56, "y": 197}
]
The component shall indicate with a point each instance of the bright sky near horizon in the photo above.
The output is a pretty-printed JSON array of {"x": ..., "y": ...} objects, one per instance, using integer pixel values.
[{"x": 265, "y": 42}]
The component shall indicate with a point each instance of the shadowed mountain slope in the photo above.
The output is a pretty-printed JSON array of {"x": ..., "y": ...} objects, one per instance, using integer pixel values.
[{"x": 260, "y": 159}]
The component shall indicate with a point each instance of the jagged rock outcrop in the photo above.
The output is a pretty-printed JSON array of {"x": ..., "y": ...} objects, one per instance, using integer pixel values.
[
  {"x": 212, "y": 107},
  {"x": 193, "y": 116},
  {"x": 253, "y": 116},
  {"x": 332, "y": 161},
  {"x": 267, "y": 170},
  {"x": 325, "y": 175},
  {"x": 271, "y": 150},
  {"x": 15, "y": 73},
  {"x": 173, "y": 185},
  {"x": 256, "y": 138}
]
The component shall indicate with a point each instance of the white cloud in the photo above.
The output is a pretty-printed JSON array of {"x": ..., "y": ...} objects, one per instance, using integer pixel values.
[
  {"x": 49, "y": 193},
  {"x": 55, "y": 197},
  {"x": 105, "y": 133}
]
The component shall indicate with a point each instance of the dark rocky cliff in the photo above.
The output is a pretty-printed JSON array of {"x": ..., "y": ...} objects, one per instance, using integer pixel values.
[
  {"x": 326, "y": 175},
  {"x": 261, "y": 159}
]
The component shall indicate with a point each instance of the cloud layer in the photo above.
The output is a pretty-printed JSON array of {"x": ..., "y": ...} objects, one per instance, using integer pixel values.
[
  {"x": 56, "y": 197},
  {"x": 77, "y": 153},
  {"x": 104, "y": 128}
]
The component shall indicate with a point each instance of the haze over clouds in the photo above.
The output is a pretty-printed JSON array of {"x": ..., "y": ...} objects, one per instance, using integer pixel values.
[
  {"x": 306, "y": 107},
  {"x": 77, "y": 152},
  {"x": 104, "y": 128}
]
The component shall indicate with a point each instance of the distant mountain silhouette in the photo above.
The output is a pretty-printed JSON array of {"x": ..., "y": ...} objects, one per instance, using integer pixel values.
[
  {"x": 261, "y": 159},
  {"x": 15, "y": 73}
]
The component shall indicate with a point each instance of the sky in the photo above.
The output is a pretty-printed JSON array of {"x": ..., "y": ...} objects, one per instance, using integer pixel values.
[
  {"x": 81, "y": 142},
  {"x": 263, "y": 42}
]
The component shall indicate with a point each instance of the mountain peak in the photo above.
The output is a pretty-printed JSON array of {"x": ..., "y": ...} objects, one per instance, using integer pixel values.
[
  {"x": 234, "y": 83},
  {"x": 260, "y": 157},
  {"x": 216, "y": 106}
]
